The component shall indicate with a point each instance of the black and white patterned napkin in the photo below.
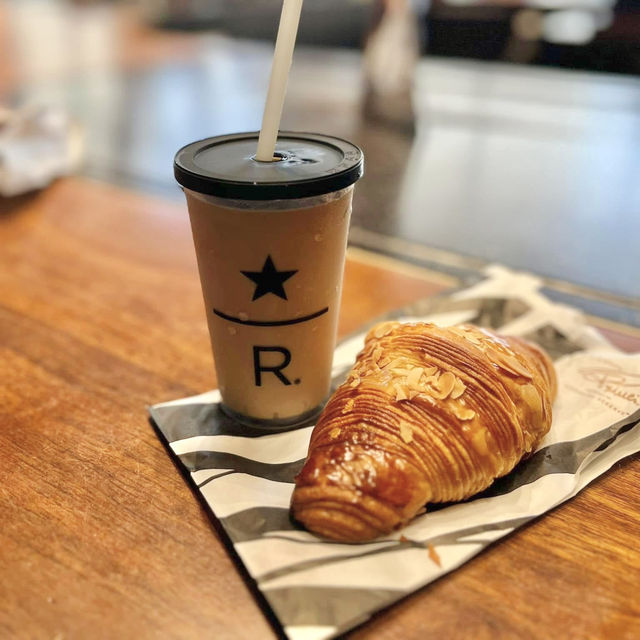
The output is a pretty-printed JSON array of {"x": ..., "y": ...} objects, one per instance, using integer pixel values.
[{"x": 319, "y": 589}]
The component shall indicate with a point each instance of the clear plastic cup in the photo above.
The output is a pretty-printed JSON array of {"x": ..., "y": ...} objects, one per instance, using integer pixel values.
[{"x": 270, "y": 240}]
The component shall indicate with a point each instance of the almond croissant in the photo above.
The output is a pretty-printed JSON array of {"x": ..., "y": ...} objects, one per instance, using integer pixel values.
[{"x": 427, "y": 414}]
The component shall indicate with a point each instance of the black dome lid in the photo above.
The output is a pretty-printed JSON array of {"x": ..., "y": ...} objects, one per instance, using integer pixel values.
[{"x": 310, "y": 165}]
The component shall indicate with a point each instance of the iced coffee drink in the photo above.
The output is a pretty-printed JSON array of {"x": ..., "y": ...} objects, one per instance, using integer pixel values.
[{"x": 270, "y": 240}]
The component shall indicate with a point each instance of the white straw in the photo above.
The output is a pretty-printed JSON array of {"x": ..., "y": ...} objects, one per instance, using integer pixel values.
[{"x": 282, "y": 58}]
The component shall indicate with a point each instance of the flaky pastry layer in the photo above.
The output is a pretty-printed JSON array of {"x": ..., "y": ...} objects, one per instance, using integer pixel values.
[{"x": 427, "y": 414}]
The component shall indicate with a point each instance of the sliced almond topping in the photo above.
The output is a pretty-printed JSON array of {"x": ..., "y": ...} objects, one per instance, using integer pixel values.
[
  {"x": 431, "y": 387},
  {"x": 433, "y": 555},
  {"x": 393, "y": 363},
  {"x": 400, "y": 371},
  {"x": 413, "y": 393},
  {"x": 413, "y": 379},
  {"x": 458, "y": 389},
  {"x": 406, "y": 432},
  {"x": 433, "y": 380},
  {"x": 334, "y": 433},
  {"x": 464, "y": 413},
  {"x": 377, "y": 353},
  {"x": 471, "y": 338},
  {"x": 348, "y": 405},
  {"x": 512, "y": 365},
  {"x": 383, "y": 329},
  {"x": 401, "y": 392},
  {"x": 445, "y": 384},
  {"x": 355, "y": 382},
  {"x": 430, "y": 371}
]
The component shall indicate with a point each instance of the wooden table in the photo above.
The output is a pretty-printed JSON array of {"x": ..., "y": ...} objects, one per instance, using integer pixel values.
[{"x": 100, "y": 316}]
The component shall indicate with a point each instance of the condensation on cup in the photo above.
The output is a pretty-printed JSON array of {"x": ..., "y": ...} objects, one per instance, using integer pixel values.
[{"x": 270, "y": 240}]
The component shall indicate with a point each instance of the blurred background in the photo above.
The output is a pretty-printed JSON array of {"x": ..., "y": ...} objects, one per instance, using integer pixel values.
[
  {"x": 495, "y": 131},
  {"x": 602, "y": 35}
]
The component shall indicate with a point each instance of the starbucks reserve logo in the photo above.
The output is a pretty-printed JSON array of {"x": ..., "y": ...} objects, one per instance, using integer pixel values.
[{"x": 270, "y": 281}]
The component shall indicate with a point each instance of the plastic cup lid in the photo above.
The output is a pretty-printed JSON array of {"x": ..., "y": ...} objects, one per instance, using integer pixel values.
[{"x": 310, "y": 165}]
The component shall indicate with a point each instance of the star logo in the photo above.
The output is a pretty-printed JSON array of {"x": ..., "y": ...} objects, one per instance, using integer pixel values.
[{"x": 269, "y": 280}]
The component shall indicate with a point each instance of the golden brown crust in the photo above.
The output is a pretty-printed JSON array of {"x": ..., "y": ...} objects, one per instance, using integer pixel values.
[{"x": 426, "y": 415}]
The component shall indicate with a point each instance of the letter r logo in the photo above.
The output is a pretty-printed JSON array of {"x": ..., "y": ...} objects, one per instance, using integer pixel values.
[{"x": 259, "y": 367}]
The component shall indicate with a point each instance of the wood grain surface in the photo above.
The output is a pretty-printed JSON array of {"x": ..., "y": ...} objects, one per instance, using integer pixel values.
[{"x": 100, "y": 537}]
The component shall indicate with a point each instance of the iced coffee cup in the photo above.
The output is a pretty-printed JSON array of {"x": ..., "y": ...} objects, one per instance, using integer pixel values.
[{"x": 270, "y": 240}]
